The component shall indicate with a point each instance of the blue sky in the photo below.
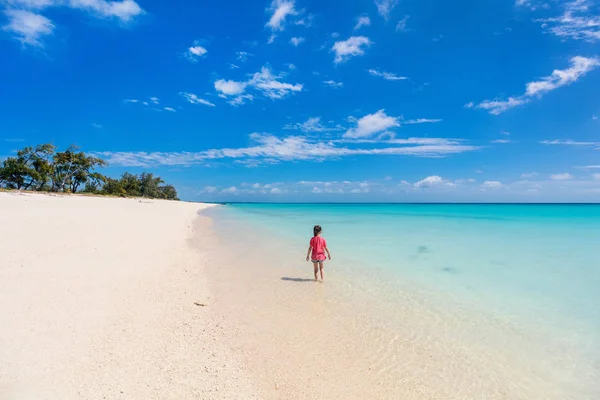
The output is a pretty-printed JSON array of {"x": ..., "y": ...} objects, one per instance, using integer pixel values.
[{"x": 302, "y": 100}]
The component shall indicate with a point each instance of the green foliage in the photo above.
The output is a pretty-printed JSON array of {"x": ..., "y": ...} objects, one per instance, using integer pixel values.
[
  {"x": 31, "y": 169},
  {"x": 41, "y": 168}
]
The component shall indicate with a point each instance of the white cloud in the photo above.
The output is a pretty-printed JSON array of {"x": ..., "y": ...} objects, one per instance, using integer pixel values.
[
  {"x": 529, "y": 175},
  {"x": 124, "y": 10},
  {"x": 491, "y": 185},
  {"x": 154, "y": 100},
  {"x": 497, "y": 107},
  {"x": 589, "y": 167},
  {"x": 561, "y": 177},
  {"x": 384, "y": 7},
  {"x": 564, "y": 142},
  {"x": 280, "y": 10},
  {"x": 268, "y": 148},
  {"x": 276, "y": 191},
  {"x": 430, "y": 181},
  {"x": 265, "y": 82},
  {"x": 28, "y": 27},
  {"x": 230, "y": 190},
  {"x": 401, "y": 25},
  {"x": 313, "y": 124},
  {"x": 371, "y": 124},
  {"x": 388, "y": 76},
  {"x": 230, "y": 88},
  {"x": 351, "y": 47},
  {"x": 241, "y": 99},
  {"x": 502, "y": 141},
  {"x": 170, "y": 109},
  {"x": 209, "y": 189},
  {"x": 580, "y": 66},
  {"x": 421, "y": 121},
  {"x": 270, "y": 86},
  {"x": 333, "y": 84},
  {"x": 97, "y": 126},
  {"x": 193, "y": 99},
  {"x": 242, "y": 56},
  {"x": 596, "y": 176},
  {"x": 195, "y": 52},
  {"x": 578, "y": 22},
  {"x": 296, "y": 41},
  {"x": 362, "y": 21},
  {"x": 536, "y": 89}
]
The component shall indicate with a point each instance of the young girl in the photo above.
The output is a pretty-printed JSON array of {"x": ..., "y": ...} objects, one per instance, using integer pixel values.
[{"x": 318, "y": 246}]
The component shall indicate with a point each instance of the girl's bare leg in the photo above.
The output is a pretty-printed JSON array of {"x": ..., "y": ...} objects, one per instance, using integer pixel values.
[
  {"x": 321, "y": 269},
  {"x": 316, "y": 265}
]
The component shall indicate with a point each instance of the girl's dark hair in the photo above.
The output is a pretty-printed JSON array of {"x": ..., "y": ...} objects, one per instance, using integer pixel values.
[{"x": 317, "y": 229}]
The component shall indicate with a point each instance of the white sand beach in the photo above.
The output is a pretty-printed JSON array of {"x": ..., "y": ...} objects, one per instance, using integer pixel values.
[{"x": 102, "y": 298}]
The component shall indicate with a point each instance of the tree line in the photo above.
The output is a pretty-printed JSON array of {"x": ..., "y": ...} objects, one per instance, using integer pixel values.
[{"x": 43, "y": 168}]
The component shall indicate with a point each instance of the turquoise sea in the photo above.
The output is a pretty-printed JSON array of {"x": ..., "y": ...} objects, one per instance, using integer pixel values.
[{"x": 534, "y": 268}]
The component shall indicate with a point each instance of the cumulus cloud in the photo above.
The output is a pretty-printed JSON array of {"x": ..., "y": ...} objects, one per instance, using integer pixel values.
[
  {"x": 193, "y": 99},
  {"x": 296, "y": 41},
  {"x": 385, "y": 7},
  {"x": 388, "y": 76},
  {"x": 333, "y": 84},
  {"x": 195, "y": 52},
  {"x": 433, "y": 181},
  {"x": 362, "y": 21},
  {"x": 491, "y": 185},
  {"x": 269, "y": 148},
  {"x": 372, "y": 124},
  {"x": 351, "y": 47},
  {"x": 580, "y": 66},
  {"x": 265, "y": 82},
  {"x": 230, "y": 88}
]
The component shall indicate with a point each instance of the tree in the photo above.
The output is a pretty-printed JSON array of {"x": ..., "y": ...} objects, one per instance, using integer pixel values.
[
  {"x": 41, "y": 168},
  {"x": 168, "y": 192},
  {"x": 72, "y": 169},
  {"x": 150, "y": 185},
  {"x": 31, "y": 168},
  {"x": 131, "y": 184},
  {"x": 95, "y": 183},
  {"x": 113, "y": 187}
]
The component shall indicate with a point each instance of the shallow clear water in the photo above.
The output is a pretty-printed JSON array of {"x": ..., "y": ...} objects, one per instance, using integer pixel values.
[{"x": 534, "y": 267}]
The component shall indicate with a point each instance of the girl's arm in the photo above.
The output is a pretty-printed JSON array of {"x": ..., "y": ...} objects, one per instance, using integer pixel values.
[
  {"x": 328, "y": 253},
  {"x": 308, "y": 253}
]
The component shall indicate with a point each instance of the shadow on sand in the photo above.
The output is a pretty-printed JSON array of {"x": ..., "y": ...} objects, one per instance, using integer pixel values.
[{"x": 285, "y": 278}]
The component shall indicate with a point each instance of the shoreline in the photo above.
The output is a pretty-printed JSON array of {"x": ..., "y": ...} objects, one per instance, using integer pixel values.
[
  {"x": 98, "y": 300},
  {"x": 124, "y": 298}
]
